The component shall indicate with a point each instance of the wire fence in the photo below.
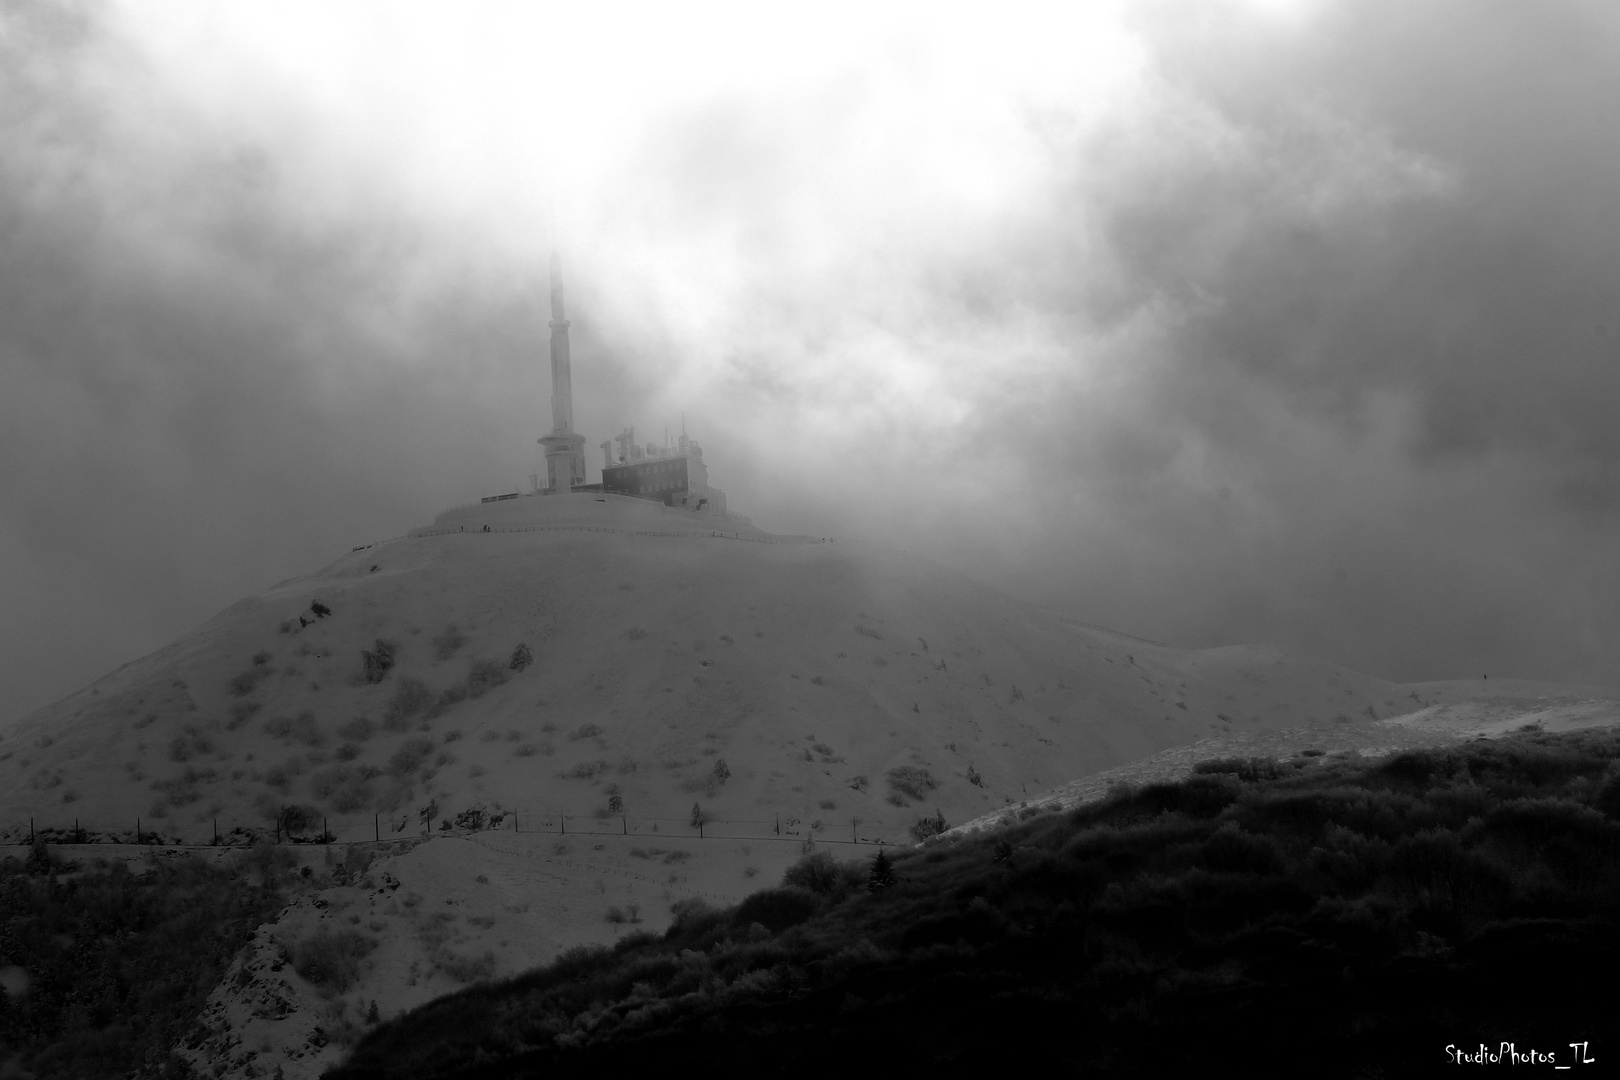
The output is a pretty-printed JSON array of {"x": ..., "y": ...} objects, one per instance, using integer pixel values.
[
  {"x": 711, "y": 534},
  {"x": 380, "y": 828}
]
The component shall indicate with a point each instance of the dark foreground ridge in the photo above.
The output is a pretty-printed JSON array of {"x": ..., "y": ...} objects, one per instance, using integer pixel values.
[
  {"x": 110, "y": 968},
  {"x": 1322, "y": 916}
]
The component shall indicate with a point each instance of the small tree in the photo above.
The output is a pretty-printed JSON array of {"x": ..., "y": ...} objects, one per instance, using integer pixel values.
[
  {"x": 697, "y": 816},
  {"x": 882, "y": 875},
  {"x": 721, "y": 772},
  {"x": 522, "y": 657},
  {"x": 615, "y": 803}
]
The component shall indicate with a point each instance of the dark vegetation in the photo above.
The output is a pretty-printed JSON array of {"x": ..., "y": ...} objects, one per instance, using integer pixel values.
[
  {"x": 374, "y": 666},
  {"x": 1320, "y": 916},
  {"x": 119, "y": 964}
]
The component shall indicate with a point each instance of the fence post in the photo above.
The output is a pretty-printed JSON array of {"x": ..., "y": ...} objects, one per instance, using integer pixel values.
[
  {"x": 137, "y": 830},
  {"x": 376, "y": 827},
  {"x": 562, "y": 821},
  {"x": 625, "y": 824},
  {"x": 514, "y": 821}
]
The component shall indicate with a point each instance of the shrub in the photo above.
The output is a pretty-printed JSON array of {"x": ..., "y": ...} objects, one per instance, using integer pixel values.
[
  {"x": 721, "y": 772},
  {"x": 777, "y": 909},
  {"x": 911, "y": 781},
  {"x": 243, "y": 684},
  {"x": 584, "y": 731},
  {"x": 375, "y": 665},
  {"x": 586, "y": 770},
  {"x": 522, "y": 657},
  {"x": 1249, "y": 770},
  {"x": 330, "y": 959},
  {"x": 635, "y": 633},
  {"x": 241, "y": 713},
  {"x": 816, "y": 872},
  {"x": 295, "y": 820},
  {"x": 300, "y": 729},
  {"x": 183, "y": 790},
  {"x": 410, "y": 697},
  {"x": 448, "y": 641},
  {"x": 192, "y": 742},
  {"x": 485, "y": 676},
  {"x": 409, "y": 757},
  {"x": 929, "y": 826}
]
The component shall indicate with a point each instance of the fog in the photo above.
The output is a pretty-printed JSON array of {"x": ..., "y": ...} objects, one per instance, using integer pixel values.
[{"x": 1212, "y": 322}]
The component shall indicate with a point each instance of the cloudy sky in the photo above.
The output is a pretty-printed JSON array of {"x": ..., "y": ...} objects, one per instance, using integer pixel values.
[{"x": 1211, "y": 320}]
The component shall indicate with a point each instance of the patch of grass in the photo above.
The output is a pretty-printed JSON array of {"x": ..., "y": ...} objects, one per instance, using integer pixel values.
[
  {"x": 635, "y": 633},
  {"x": 584, "y": 731}
]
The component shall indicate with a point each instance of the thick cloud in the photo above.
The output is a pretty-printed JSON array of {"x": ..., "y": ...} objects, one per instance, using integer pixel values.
[{"x": 1216, "y": 322}]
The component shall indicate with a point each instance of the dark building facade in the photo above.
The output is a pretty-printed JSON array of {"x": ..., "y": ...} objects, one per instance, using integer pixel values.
[{"x": 664, "y": 479}]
